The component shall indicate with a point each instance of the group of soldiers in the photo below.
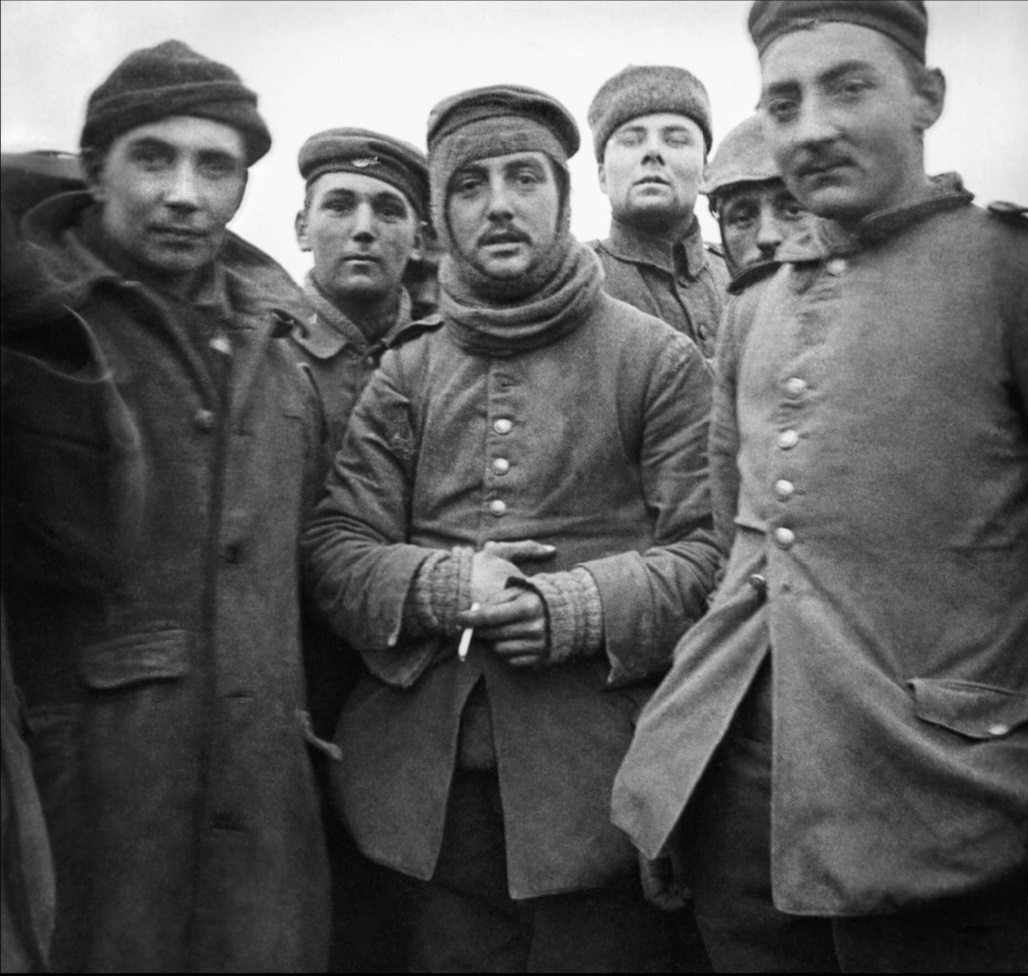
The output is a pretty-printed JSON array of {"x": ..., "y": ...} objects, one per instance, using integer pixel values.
[{"x": 409, "y": 619}]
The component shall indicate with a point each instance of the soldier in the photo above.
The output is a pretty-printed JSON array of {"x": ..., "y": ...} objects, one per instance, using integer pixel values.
[
  {"x": 165, "y": 687},
  {"x": 849, "y": 723},
  {"x": 753, "y": 206},
  {"x": 651, "y": 133},
  {"x": 362, "y": 220},
  {"x": 539, "y": 422}
]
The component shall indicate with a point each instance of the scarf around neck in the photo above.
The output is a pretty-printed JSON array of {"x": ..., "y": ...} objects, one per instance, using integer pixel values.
[{"x": 504, "y": 328}]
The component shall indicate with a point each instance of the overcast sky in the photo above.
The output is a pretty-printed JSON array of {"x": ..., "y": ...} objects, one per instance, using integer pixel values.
[{"x": 383, "y": 65}]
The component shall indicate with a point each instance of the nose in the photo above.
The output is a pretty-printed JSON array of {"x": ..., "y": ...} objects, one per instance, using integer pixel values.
[
  {"x": 813, "y": 123},
  {"x": 501, "y": 206},
  {"x": 769, "y": 234},
  {"x": 183, "y": 191},
  {"x": 652, "y": 147},
  {"x": 364, "y": 225}
]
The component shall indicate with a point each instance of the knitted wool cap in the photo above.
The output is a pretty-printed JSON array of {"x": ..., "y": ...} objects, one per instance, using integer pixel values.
[
  {"x": 905, "y": 21},
  {"x": 742, "y": 157},
  {"x": 172, "y": 79},
  {"x": 367, "y": 153},
  {"x": 645, "y": 90}
]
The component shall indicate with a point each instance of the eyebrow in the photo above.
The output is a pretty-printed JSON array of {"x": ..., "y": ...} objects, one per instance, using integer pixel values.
[{"x": 828, "y": 77}]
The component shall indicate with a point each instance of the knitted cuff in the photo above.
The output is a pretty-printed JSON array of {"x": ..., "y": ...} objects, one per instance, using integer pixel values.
[
  {"x": 574, "y": 613},
  {"x": 439, "y": 591}
]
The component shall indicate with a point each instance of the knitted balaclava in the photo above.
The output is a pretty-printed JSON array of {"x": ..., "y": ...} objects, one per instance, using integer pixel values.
[
  {"x": 170, "y": 79},
  {"x": 496, "y": 121}
]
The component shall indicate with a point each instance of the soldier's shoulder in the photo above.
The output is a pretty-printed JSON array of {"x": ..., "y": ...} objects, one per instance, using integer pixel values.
[{"x": 1012, "y": 214}]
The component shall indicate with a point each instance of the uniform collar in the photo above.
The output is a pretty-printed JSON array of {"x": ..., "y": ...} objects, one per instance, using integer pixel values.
[
  {"x": 243, "y": 278},
  {"x": 826, "y": 237},
  {"x": 328, "y": 330},
  {"x": 688, "y": 255}
]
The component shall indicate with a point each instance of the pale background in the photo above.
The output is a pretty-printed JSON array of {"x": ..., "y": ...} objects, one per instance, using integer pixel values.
[{"x": 383, "y": 65}]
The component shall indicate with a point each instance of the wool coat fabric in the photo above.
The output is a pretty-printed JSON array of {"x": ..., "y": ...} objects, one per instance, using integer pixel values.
[
  {"x": 870, "y": 435},
  {"x": 166, "y": 694},
  {"x": 594, "y": 443},
  {"x": 683, "y": 284}
]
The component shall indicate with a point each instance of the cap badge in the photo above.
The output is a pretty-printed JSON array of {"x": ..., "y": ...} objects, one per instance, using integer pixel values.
[{"x": 364, "y": 161}]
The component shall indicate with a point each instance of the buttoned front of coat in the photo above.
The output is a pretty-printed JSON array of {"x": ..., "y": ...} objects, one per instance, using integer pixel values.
[
  {"x": 683, "y": 284},
  {"x": 167, "y": 698},
  {"x": 870, "y": 433},
  {"x": 594, "y": 444}
]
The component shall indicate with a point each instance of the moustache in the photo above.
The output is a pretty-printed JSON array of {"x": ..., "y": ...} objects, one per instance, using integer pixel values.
[{"x": 816, "y": 162}]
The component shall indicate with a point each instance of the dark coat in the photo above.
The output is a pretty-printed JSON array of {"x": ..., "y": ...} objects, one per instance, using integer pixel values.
[
  {"x": 683, "y": 284},
  {"x": 166, "y": 695},
  {"x": 870, "y": 433},
  {"x": 600, "y": 439}
]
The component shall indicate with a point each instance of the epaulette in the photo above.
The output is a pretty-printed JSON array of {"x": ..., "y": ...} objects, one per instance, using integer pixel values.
[
  {"x": 428, "y": 324},
  {"x": 1009, "y": 213}
]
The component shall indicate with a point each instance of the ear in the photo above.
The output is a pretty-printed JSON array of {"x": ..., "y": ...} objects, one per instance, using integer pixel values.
[
  {"x": 417, "y": 251},
  {"x": 602, "y": 174},
  {"x": 931, "y": 97},
  {"x": 92, "y": 170},
  {"x": 300, "y": 224}
]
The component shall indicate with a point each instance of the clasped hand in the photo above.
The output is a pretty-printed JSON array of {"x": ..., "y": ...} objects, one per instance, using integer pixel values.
[{"x": 510, "y": 619}]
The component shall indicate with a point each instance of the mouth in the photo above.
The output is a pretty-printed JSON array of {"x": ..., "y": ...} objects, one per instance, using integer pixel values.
[
  {"x": 183, "y": 235},
  {"x": 361, "y": 259},
  {"x": 652, "y": 180},
  {"x": 820, "y": 168},
  {"x": 502, "y": 239}
]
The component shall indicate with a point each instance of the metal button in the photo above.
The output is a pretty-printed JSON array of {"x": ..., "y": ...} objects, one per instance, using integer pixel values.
[
  {"x": 759, "y": 583},
  {"x": 787, "y": 438},
  {"x": 784, "y": 489},
  {"x": 503, "y": 426},
  {"x": 998, "y": 729},
  {"x": 836, "y": 267},
  {"x": 784, "y": 537},
  {"x": 795, "y": 386},
  {"x": 501, "y": 466},
  {"x": 204, "y": 420},
  {"x": 497, "y": 507}
]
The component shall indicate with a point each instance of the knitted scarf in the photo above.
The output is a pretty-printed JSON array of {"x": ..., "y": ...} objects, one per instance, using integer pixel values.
[{"x": 504, "y": 328}]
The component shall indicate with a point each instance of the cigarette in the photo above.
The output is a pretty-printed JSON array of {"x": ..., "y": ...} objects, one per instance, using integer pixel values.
[{"x": 465, "y": 637}]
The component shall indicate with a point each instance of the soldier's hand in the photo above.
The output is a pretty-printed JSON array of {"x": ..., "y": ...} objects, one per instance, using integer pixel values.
[
  {"x": 513, "y": 623},
  {"x": 660, "y": 885},
  {"x": 493, "y": 565}
]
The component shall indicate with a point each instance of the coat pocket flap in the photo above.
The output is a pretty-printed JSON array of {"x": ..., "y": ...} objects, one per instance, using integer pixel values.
[
  {"x": 975, "y": 710},
  {"x": 134, "y": 659}
]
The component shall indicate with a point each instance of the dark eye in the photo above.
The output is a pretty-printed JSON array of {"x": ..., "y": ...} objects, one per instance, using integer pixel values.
[
  {"x": 338, "y": 205},
  {"x": 740, "y": 217},
  {"x": 467, "y": 183},
  {"x": 218, "y": 169},
  {"x": 528, "y": 177},
  {"x": 150, "y": 157},
  {"x": 782, "y": 110},
  {"x": 391, "y": 210},
  {"x": 790, "y": 209},
  {"x": 850, "y": 89}
]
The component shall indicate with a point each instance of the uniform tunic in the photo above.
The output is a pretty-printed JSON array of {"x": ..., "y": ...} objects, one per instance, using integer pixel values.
[
  {"x": 683, "y": 285},
  {"x": 871, "y": 433},
  {"x": 594, "y": 443}
]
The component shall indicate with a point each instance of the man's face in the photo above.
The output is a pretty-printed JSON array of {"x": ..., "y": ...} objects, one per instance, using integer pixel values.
[
  {"x": 755, "y": 218},
  {"x": 168, "y": 190},
  {"x": 844, "y": 121},
  {"x": 503, "y": 213},
  {"x": 362, "y": 232},
  {"x": 652, "y": 168}
]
